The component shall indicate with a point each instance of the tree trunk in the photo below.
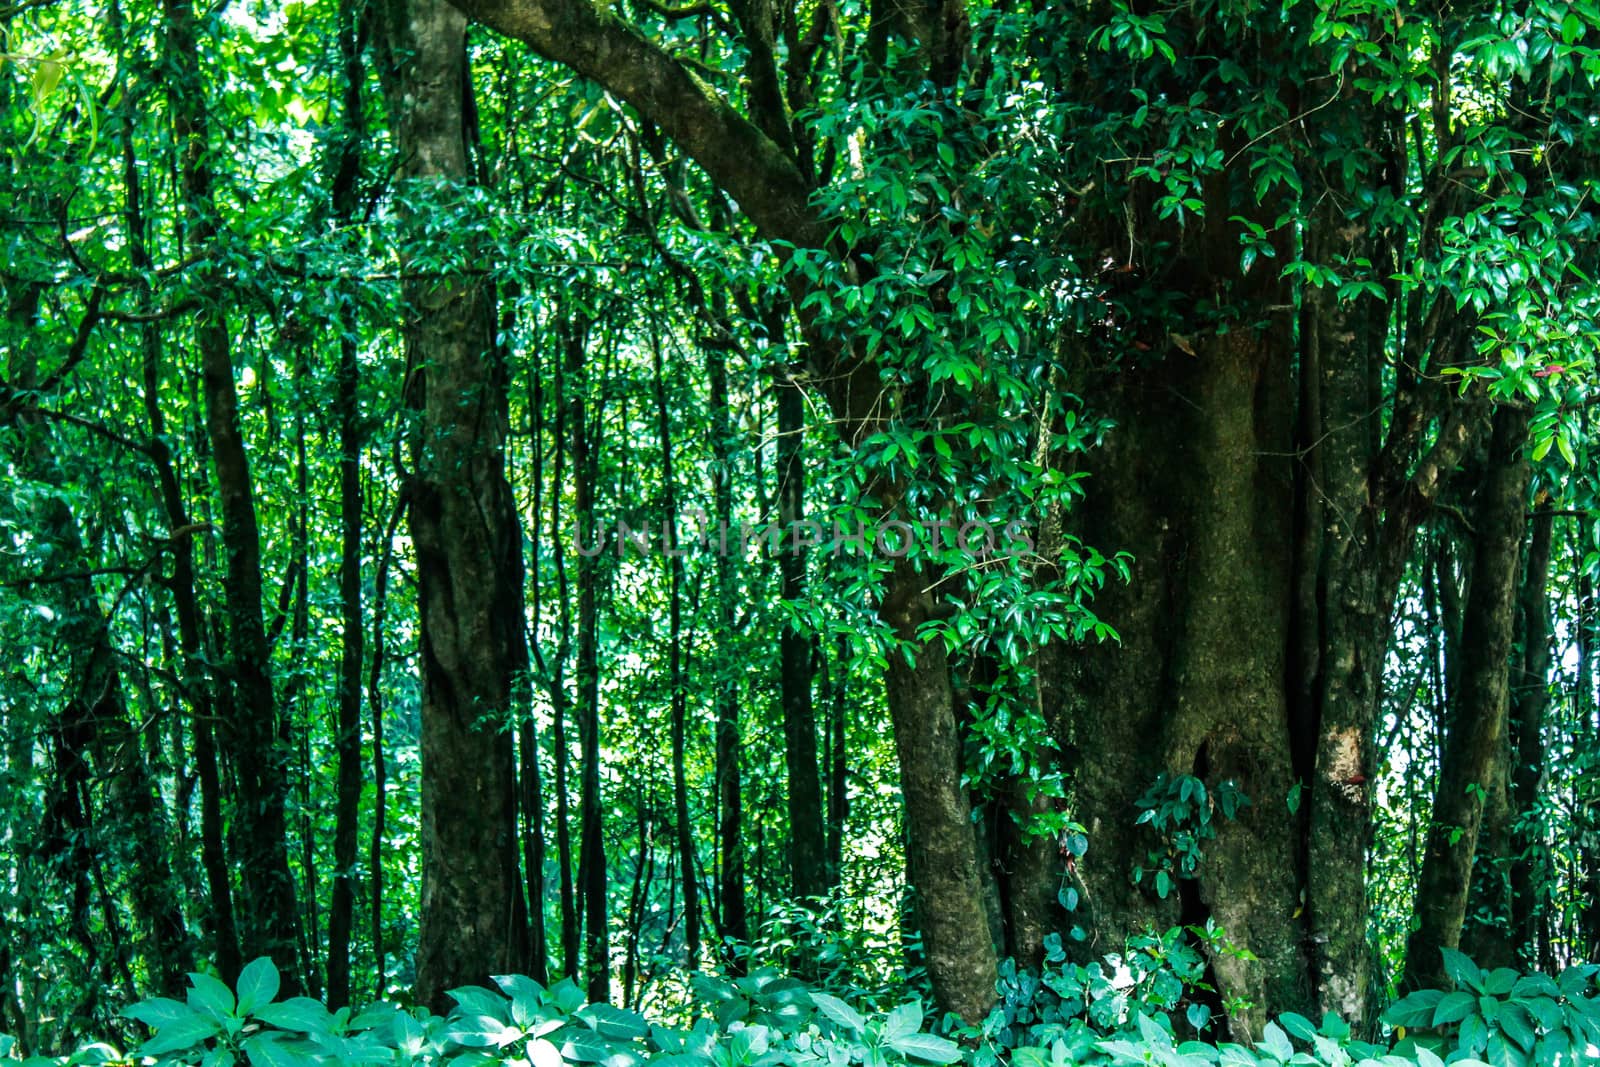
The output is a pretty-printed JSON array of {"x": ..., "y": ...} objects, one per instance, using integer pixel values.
[
  {"x": 583, "y": 424},
  {"x": 380, "y": 769},
  {"x": 468, "y": 544},
  {"x": 345, "y": 174},
  {"x": 676, "y": 683},
  {"x": 729, "y": 786},
  {"x": 1194, "y": 484},
  {"x": 1475, "y": 740},
  {"x": 807, "y": 823},
  {"x": 941, "y": 853},
  {"x": 835, "y": 761},
  {"x": 571, "y": 916},
  {"x": 253, "y": 734},
  {"x": 1530, "y": 702}
]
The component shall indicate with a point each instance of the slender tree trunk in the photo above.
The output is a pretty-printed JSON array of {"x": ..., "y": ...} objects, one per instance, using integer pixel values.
[
  {"x": 294, "y": 725},
  {"x": 191, "y": 668},
  {"x": 731, "y": 904},
  {"x": 346, "y": 173},
  {"x": 529, "y": 773},
  {"x": 838, "y": 781},
  {"x": 253, "y": 734},
  {"x": 1475, "y": 740},
  {"x": 583, "y": 424},
  {"x": 468, "y": 543},
  {"x": 571, "y": 916},
  {"x": 807, "y": 822},
  {"x": 1530, "y": 704},
  {"x": 677, "y": 684},
  {"x": 380, "y": 770}
]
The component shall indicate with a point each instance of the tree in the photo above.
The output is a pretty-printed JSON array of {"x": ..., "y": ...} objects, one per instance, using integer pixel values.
[{"x": 466, "y": 533}]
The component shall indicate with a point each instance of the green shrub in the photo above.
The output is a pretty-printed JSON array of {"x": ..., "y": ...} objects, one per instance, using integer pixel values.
[
  {"x": 1506, "y": 1018},
  {"x": 1128, "y": 1010}
]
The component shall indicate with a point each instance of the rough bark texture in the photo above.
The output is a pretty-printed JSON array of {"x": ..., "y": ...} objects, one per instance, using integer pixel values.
[
  {"x": 468, "y": 547},
  {"x": 1195, "y": 484},
  {"x": 1475, "y": 741},
  {"x": 940, "y": 853}
]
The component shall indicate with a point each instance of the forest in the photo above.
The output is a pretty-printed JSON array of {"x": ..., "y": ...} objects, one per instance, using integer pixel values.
[{"x": 799, "y": 533}]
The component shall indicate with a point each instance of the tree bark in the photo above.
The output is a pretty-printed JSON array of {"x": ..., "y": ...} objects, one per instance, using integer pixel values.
[
  {"x": 1475, "y": 740},
  {"x": 941, "y": 857},
  {"x": 1530, "y": 703},
  {"x": 1194, "y": 484},
  {"x": 468, "y": 544}
]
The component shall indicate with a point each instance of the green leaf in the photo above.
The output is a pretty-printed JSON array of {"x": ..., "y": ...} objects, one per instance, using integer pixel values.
[
  {"x": 567, "y": 996},
  {"x": 258, "y": 984},
  {"x": 1275, "y": 1041},
  {"x": 301, "y": 1014},
  {"x": 579, "y": 1045},
  {"x": 614, "y": 1022},
  {"x": 928, "y": 1048},
  {"x": 542, "y": 1053},
  {"x": 158, "y": 1012},
  {"x": 1500, "y": 1053},
  {"x": 1517, "y": 1024},
  {"x": 840, "y": 1014},
  {"x": 1453, "y": 1008},
  {"x": 475, "y": 1030},
  {"x": 1416, "y": 1009},
  {"x": 906, "y": 1019},
  {"x": 1462, "y": 969},
  {"x": 477, "y": 1000},
  {"x": 180, "y": 1035},
  {"x": 268, "y": 1050},
  {"x": 211, "y": 995},
  {"x": 1535, "y": 985}
]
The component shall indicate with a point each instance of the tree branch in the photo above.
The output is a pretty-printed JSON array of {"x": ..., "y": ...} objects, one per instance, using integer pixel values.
[{"x": 594, "y": 43}]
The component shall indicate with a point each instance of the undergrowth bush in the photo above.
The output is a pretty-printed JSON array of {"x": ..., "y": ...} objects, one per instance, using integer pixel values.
[{"x": 1138, "y": 1007}]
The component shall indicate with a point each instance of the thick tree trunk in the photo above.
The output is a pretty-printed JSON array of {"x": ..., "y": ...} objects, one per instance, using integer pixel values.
[
  {"x": 941, "y": 852},
  {"x": 1475, "y": 740},
  {"x": 253, "y": 735},
  {"x": 1195, "y": 483},
  {"x": 468, "y": 548}
]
